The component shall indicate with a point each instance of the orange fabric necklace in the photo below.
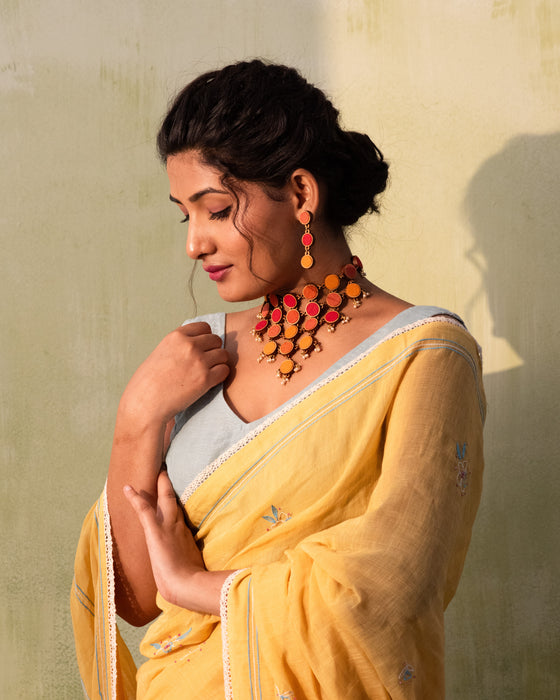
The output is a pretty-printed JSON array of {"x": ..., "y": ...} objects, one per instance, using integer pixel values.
[{"x": 287, "y": 323}]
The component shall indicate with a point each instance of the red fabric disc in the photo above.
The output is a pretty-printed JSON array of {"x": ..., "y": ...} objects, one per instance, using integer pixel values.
[
  {"x": 307, "y": 239},
  {"x": 290, "y": 302},
  {"x": 332, "y": 316},
  {"x": 312, "y": 308}
]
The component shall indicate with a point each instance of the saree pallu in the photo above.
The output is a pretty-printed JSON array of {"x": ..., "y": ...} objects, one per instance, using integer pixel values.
[{"x": 346, "y": 519}]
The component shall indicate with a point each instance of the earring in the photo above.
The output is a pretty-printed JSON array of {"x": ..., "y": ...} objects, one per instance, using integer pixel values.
[{"x": 305, "y": 218}]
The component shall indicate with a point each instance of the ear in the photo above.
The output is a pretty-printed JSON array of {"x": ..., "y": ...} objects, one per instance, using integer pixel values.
[{"x": 304, "y": 192}]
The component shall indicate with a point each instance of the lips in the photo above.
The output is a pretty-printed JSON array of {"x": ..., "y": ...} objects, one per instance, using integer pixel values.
[{"x": 216, "y": 272}]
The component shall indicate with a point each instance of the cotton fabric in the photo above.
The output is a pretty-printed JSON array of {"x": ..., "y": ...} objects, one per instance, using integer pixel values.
[{"x": 346, "y": 518}]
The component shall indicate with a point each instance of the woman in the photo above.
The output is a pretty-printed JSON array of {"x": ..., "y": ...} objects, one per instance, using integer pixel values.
[{"x": 326, "y": 498}]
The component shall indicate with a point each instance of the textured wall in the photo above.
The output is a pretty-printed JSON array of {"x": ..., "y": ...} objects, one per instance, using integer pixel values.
[{"x": 463, "y": 98}]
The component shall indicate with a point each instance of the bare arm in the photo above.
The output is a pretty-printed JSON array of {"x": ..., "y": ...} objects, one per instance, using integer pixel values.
[{"x": 187, "y": 363}]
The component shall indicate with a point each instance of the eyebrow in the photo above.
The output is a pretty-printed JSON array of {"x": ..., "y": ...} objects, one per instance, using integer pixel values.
[{"x": 197, "y": 195}]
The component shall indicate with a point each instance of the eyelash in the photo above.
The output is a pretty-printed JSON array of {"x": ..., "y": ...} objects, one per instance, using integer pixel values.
[{"x": 215, "y": 216}]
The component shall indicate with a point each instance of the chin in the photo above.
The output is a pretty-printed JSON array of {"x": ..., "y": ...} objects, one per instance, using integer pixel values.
[{"x": 233, "y": 296}]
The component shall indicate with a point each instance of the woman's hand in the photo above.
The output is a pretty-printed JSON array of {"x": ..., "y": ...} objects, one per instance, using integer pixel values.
[
  {"x": 177, "y": 563},
  {"x": 183, "y": 367}
]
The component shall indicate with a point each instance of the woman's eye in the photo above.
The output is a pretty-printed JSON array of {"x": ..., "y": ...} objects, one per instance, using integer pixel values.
[
  {"x": 185, "y": 220},
  {"x": 216, "y": 215}
]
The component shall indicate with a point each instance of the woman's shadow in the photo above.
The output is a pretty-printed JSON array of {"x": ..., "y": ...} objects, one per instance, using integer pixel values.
[{"x": 507, "y": 612}]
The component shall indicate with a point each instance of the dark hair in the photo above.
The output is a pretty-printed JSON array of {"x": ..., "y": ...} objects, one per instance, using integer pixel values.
[{"x": 258, "y": 122}]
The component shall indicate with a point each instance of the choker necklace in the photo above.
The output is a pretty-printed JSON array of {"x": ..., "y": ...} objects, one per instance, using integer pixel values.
[{"x": 287, "y": 323}]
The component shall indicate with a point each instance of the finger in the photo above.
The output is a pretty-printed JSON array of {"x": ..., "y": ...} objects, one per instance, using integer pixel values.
[
  {"x": 208, "y": 341},
  {"x": 142, "y": 507},
  {"x": 201, "y": 341},
  {"x": 197, "y": 328},
  {"x": 217, "y": 356},
  {"x": 166, "y": 498},
  {"x": 218, "y": 374}
]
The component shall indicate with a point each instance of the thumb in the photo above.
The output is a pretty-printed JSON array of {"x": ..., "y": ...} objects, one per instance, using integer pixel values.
[{"x": 141, "y": 505}]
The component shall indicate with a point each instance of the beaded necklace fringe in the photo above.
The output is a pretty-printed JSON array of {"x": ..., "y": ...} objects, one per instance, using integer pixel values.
[{"x": 287, "y": 323}]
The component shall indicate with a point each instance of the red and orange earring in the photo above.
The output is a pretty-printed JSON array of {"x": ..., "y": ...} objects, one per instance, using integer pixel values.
[{"x": 307, "y": 260}]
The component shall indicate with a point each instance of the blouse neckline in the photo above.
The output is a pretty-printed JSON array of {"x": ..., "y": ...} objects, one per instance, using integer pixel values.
[{"x": 404, "y": 318}]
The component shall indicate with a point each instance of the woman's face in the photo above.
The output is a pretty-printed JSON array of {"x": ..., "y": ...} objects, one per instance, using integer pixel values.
[{"x": 213, "y": 238}]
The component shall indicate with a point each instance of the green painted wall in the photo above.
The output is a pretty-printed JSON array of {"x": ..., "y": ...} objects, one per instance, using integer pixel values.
[{"x": 463, "y": 98}]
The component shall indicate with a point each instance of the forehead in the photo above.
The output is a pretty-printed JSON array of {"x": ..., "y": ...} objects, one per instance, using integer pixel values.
[
  {"x": 186, "y": 170},
  {"x": 190, "y": 179}
]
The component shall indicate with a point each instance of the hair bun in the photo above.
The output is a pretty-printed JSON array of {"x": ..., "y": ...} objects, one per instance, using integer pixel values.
[{"x": 360, "y": 176}]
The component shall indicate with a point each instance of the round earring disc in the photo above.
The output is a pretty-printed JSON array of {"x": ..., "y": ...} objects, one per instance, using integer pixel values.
[{"x": 306, "y": 262}]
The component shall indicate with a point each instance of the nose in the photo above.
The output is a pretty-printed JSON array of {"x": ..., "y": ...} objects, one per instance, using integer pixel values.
[{"x": 199, "y": 243}]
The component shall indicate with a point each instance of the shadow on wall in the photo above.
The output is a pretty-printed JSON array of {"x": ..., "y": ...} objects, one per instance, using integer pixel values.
[{"x": 509, "y": 600}]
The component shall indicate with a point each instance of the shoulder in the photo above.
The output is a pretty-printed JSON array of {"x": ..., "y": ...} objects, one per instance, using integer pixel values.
[
  {"x": 433, "y": 327},
  {"x": 418, "y": 322},
  {"x": 438, "y": 351},
  {"x": 424, "y": 323},
  {"x": 429, "y": 340}
]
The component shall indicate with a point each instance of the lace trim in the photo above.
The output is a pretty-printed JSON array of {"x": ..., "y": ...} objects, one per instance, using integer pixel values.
[
  {"x": 213, "y": 466},
  {"x": 111, "y": 611},
  {"x": 228, "y": 685}
]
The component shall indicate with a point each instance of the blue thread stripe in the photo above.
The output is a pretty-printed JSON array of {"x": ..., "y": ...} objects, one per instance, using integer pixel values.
[
  {"x": 86, "y": 607},
  {"x": 81, "y": 602},
  {"x": 249, "y": 638},
  {"x": 98, "y": 679},
  {"x": 258, "y": 661},
  {"x": 84, "y": 594},
  {"x": 365, "y": 382}
]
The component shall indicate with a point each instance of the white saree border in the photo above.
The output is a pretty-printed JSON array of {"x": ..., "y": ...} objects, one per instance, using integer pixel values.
[
  {"x": 228, "y": 686},
  {"x": 93, "y": 605},
  {"x": 109, "y": 584}
]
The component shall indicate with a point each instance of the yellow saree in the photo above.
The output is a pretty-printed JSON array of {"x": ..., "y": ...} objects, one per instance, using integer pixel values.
[{"x": 347, "y": 518}]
